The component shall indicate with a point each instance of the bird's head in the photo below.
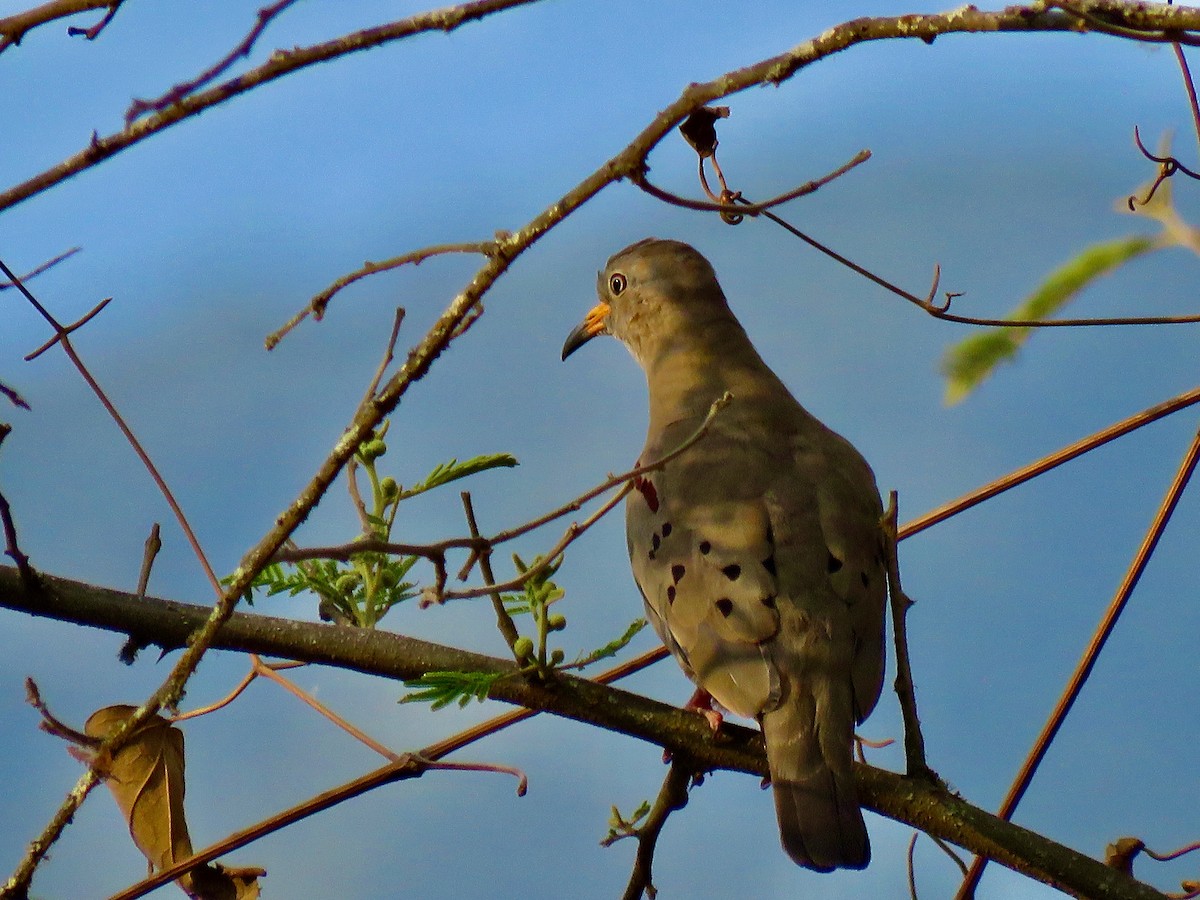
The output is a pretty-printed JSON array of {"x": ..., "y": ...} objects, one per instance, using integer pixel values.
[{"x": 653, "y": 294}]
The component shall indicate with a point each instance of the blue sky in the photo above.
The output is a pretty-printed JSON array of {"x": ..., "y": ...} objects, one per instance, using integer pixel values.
[{"x": 998, "y": 157}]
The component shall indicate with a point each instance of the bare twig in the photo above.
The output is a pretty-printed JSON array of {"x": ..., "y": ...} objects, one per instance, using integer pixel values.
[
  {"x": 746, "y": 208},
  {"x": 149, "y": 552},
  {"x": 1133, "y": 31},
  {"x": 1190, "y": 86},
  {"x": 51, "y": 724},
  {"x": 46, "y": 266},
  {"x": 1172, "y": 854},
  {"x": 914, "y": 742},
  {"x": 177, "y": 93},
  {"x": 911, "y": 865},
  {"x": 94, "y": 32},
  {"x": 1084, "y": 668},
  {"x": 13, "y": 396},
  {"x": 503, "y": 620},
  {"x": 316, "y": 306},
  {"x": 672, "y": 796},
  {"x": 12, "y": 547},
  {"x": 576, "y": 529},
  {"x": 389, "y": 354},
  {"x": 1053, "y": 461},
  {"x": 13, "y": 28}
]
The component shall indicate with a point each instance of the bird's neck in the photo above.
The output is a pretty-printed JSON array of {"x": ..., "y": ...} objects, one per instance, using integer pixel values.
[{"x": 685, "y": 378}]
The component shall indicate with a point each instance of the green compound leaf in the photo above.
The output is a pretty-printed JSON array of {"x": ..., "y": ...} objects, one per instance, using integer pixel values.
[
  {"x": 612, "y": 648},
  {"x": 969, "y": 362},
  {"x": 440, "y": 689},
  {"x": 444, "y": 473}
]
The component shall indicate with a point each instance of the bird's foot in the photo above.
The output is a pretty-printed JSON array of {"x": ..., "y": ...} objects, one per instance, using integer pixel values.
[{"x": 702, "y": 702}]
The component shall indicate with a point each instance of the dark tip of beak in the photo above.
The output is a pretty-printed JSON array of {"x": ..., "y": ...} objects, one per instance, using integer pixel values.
[{"x": 577, "y": 338}]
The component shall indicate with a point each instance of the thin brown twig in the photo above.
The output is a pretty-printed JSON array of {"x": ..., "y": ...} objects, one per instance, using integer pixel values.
[
  {"x": 12, "y": 546},
  {"x": 63, "y": 331},
  {"x": 672, "y": 796},
  {"x": 436, "y": 552},
  {"x": 1086, "y": 663},
  {"x": 747, "y": 208},
  {"x": 914, "y": 742},
  {"x": 13, "y": 396},
  {"x": 1102, "y": 26},
  {"x": 51, "y": 724},
  {"x": 149, "y": 552},
  {"x": 911, "y": 865},
  {"x": 503, "y": 620},
  {"x": 1052, "y": 461},
  {"x": 94, "y": 32},
  {"x": 389, "y": 354},
  {"x": 942, "y": 311},
  {"x": 317, "y": 305},
  {"x": 1173, "y": 854},
  {"x": 271, "y": 674},
  {"x": 1190, "y": 86},
  {"x": 44, "y": 267},
  {"x": 178, "y": 92},
  {"x": 576, "y": 529},
  {"x": 13, "y": 28}
]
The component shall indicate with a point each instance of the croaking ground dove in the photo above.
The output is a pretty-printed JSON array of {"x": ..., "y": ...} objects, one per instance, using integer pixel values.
[{"x": 759, "y": 549}]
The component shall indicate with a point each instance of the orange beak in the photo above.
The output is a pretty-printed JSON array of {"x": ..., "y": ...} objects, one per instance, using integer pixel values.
[{"x": 594, "y": 323}]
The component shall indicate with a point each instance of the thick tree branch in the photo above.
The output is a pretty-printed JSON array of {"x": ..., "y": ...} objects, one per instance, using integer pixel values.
[{"x": 923, "y": 803}]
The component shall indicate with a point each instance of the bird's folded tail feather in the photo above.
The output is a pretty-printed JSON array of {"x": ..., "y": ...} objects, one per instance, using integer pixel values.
[{"x": 820, "y": 823}]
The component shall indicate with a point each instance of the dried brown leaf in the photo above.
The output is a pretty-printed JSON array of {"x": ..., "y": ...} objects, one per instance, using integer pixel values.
[
  {"x": 146, "y": 776},
  {"x": 146, "y": 779}
]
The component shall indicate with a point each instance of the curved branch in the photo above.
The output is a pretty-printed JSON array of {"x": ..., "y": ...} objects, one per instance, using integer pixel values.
[
  {"x": 13, "y": 28},
  {"x": 923, "y": 803}
]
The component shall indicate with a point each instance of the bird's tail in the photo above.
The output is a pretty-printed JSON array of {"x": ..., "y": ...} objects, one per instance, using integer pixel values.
[{"x": 820, "y": 823}]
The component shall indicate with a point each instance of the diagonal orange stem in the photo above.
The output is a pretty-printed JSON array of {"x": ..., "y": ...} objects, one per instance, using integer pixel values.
[{"x": 1090, "y": 655}]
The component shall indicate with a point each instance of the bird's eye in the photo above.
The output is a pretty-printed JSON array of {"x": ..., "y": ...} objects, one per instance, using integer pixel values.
[{"x": 616, "y": 283}]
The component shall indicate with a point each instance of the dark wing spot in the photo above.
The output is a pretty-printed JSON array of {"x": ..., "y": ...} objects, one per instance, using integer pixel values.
[
  {"x": 866, "y": 579},
  {"x": 834, "y": 564},
  {"x": 670, "y": 593},
  {"x": 732, "y": 571},
  {"x": 705, "y": 546},
  {"x": 666, "y": 529},
  {"x": 650, "y": 554},
  {"x": 646, "y": 488},
  {"x": 769, "y": 565},
  {"x": 724, "y": 606},
  {"x": 654, "y": 542},
  {"x": 677, "y": 572},
  {"x": 769, "y": 601}
]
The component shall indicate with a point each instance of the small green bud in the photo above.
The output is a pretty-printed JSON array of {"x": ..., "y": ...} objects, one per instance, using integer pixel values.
[
  {"x": 372, "y": 449},
  {"x": 389, "y": 488},
  {"x": 556, "y": 622},
  {"x": 523, "y": 648},
  {"x": 347, "y": 582},
  {"x": 557, "y": 656}
]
